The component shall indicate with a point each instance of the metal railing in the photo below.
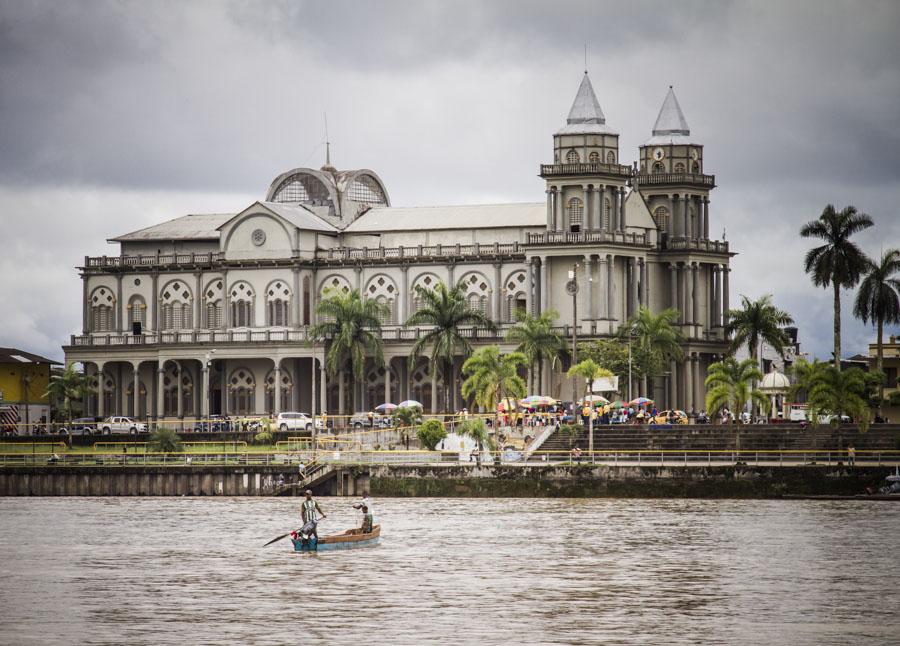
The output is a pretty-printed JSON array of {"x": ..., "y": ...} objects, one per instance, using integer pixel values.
[
  {"x": 698, "y": 244},
  {"x": 596, "y": 168},
  {"x": 694, "y": 179},
  {"x": 585, "y": 237},
  {"x": 140, "y": 260}
]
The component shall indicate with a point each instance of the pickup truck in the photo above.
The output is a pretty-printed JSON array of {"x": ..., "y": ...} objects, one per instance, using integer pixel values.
[{"x": 122, "y": 425}]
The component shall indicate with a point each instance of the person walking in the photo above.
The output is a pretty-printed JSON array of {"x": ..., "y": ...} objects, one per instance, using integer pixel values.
[{"x": 851, "y": 455}]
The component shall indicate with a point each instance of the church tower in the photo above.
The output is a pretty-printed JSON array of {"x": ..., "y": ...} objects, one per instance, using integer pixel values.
[
  {"x": 670, "y": 176},
  {"x": 585, "y": 182}
]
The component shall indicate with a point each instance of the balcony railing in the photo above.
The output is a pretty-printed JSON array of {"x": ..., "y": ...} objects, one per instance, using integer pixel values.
[
  {"x": 587, "y": 237},
  {"x": 694, "y": 244},
  {"x": 554, "y": 170},
  {"x": 155, "y": 260},
  {"x": 706, "y": 181},
  {"x": 419, "y": 251}
]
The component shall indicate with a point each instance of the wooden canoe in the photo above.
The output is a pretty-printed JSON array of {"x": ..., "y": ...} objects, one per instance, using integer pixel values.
[{"x": 346, "y": 540}]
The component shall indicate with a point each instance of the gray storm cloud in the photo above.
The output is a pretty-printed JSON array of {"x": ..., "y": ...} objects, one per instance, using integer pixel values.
[{"x": 116, "y": 115}]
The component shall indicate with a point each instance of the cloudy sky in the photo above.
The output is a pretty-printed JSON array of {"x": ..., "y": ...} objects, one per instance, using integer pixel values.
[{"x": 117, "y": 115}]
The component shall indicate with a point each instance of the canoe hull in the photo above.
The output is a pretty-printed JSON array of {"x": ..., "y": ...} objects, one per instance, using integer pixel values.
[{"x": 349, "y": 540}]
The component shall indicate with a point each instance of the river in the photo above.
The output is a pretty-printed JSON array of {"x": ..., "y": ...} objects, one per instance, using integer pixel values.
[{"x": 547, "y": 571}]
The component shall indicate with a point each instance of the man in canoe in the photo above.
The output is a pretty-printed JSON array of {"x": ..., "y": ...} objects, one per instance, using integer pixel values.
[
  {"x": 366, "y": 502},
  {"x": 308, "y": 512},
  {"x": 367, "y": 521}
]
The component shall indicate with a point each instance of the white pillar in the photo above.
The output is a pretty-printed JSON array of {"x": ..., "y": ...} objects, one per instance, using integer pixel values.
[
  {"x": 706, "y": 217},
  {"x": 160, "y": 391},
  {"x": 204, "y": 394},
  {"x": 101, "y": 385},
  {"x": 277, "y": 375},
  {"x": 549, "y": 210},
  {"x": 136, "y": 388},
  {"x": 695, "y": 293},
  {"x": 589, "y": 272},
  {"x": 180, "y": 368},
  {"x": 387, "y": 380}
]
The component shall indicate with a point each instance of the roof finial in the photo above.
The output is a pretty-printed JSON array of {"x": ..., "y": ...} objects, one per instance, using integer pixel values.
[{"x": 585, "y": 58}]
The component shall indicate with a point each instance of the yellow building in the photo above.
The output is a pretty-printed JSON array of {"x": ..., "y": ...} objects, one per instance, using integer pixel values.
[
  {"x": 24, "y": 378},
  {"x": 891, "y": 366}
]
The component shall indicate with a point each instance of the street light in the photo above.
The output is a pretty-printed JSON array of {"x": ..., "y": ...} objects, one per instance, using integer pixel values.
[{"x": 209, "y": 388}]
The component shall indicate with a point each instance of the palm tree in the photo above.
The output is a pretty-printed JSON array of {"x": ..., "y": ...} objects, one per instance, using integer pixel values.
[
  {"x": 590, "y": 372},
  {"x": 878, "y": 301},
  {"x": 755, "y": 322},
  {"x": 351, "y": 329},
  {"x": 839, "y": 262},
  {"x": 406, "y": 417},
  {"x": 69, "y": 386},
  {"x": 491, "y": 377},
  {"x": 445, "y": 310},
  {"x": 538, "y": 341},
  {"x": 805, "y": 375},
  {"x": 476, "y": 429},
  {"x": 657, "y": 338},
  {"x": 839, "y": 393},
  {"x": 730, "y": 383}
]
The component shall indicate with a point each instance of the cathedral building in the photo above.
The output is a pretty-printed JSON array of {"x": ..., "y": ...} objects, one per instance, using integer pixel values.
[{"x": 210, "y": 313}]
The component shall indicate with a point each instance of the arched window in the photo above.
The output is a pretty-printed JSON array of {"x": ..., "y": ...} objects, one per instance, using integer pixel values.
[
  {"x": 365, "y": 189},
  {"x": 658, "y": 168},
  {"x": 383, "y": 290},
  {"x": 242, "y": 298},
  {"x": 607, "y": 215},
  {"x": 576, "y": 211},
  {"x": 594, "y": 157},
  {"x": 242, "y": 392},
  {"x": 213, "y": 299},
  {"x": 137, "y": 310},
  {"x": 278, "y": 304},
  {"x": 425, "y": 281},
  {"x": 610, "y": 157},
  {"x": 661, "y": 217},
  {"x": 102, "y": 304},
  {"x": 679, "y": 167},
  {"x": 287, "y": 389},
  {"x": 515, "y": 295},
  {"x": 572, "y": 157},
  {"x": 175, "y": 300},
  {"x": 332, "y": 285},
  {"x": 170, "y": 391},
  {"x": 478, "y": 291},
  {"x": 695, "y": 168}
]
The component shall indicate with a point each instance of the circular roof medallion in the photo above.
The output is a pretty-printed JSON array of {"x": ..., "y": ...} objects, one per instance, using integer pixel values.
[{"x": 258, "y": 237}]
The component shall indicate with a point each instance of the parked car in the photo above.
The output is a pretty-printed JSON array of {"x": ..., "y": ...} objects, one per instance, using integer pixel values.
[
  {"x": 215, "y": 424},
  {"x": 671, "y": 417},
  {"x": 122, "y": 425},
  {"x": 360, "y": 420},
  {"x": 294, "y": 422},
  {"x": 80, "y": 426}
]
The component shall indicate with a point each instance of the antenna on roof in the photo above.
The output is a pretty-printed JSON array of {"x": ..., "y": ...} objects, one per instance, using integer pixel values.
[
  {"x": 585, "y": 58},
  {"x": 327, "y": 143}
]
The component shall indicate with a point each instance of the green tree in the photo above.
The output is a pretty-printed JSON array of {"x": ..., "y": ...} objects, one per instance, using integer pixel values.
[
  {"x": 589, "y": 371},
  {"x": 430, "y": 433},
  {"x": 657, "y": 340},
  {"x": 538, "y": 341},
  {"x": 351, "y": 330},
  {"x": 405, "y": 418},
  {"x": 475, "y": 429},
  {"x": 757, "y": 322},
  {"x": 878, "y": 300},
  {"x": 492, "y": 377},
  {"x": 839, "y": 262},
  {"x": 613, "y": 355},
  {"x": 836, "y": 392},
  {"x": 445, "y": 311},
  {"x": 730, "y": 383},
  {"x": 164, "y": 440},
  {"x": 70, "y": 388},
  {"x": 805, "y": 374}
]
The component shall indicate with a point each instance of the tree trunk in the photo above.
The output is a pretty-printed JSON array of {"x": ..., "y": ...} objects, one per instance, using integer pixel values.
[
  {"x": 341, "y": 400},
  {"x": 837, "y": 325},
  {"x": 879, "y": 363},
  {"x": 448, "y": 384}
]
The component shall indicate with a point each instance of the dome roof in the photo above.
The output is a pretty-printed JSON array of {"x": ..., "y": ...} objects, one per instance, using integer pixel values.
[{"x": 774, "y": 382}]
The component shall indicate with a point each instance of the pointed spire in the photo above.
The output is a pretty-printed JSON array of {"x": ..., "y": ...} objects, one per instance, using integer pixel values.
[
  {"x": 671, "y": 119},
  {"x": 586, "y": 107}
]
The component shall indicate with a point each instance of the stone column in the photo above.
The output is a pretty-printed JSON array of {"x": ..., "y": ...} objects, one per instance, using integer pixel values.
[
  {"x": 695, "y": 293},
  {"x": 387, "y": 379},
  {"x": 586, "y": 212},
  {"x": 119, "y": 323},
  {"x": 226, "y": 305},
  {"x": 85, "y": 304},
  {"x": 645, "y": 282},
  {"x": 602, "y": 282},
  {"x": 499, "y": 288},
  {"x": 621, "y": 209},
  {"x": 633, "y": 286},
  {"x": 180, "y": 368},
  {"x": 544, "y": 286},
  {"x": 136, "y": 390},
  {"x": 101, "y": 385},
  {"x": 688, "y": 223},
  {"x": 434, "y": 391},
  {"x": 725, "y": 299},
  {"x": 589, "y": 272},
  {"x": 451, "y": 271},
  {"x": 701, "y": 227},
  {"x": 296, "y": 297},
  {"x": 404, "y": 291},
  {"x": 596, "y": 217},
  {"x": 615, "y": 220},
  {"x": 323, "y": 386},
  {"x": 673, "y": 221},
  {"x": 313, "y": 296},
  {"x": 276, "y": 373},
  {"x": 714, "y": 308},
  {"x": 204, "y": 394},
  {"x": 706, "y": 217},
  {"x": 529, "y": 286},
  {"x": 698, "y": 387},
  {"x": 198, "y": 299},
  {"x": 558, "y": 210},
  {"x": 673, "y": 285},
  {"x": 160, "y": 391},
  {"x": 602, "y": 208},
  {"x": 549, "y": 210},
  {"x": 358, "y": 270},
  {"x": 673, "y": 385},
  {"x": 688, "y": 383},
  {"x": 610, "y": 270}
]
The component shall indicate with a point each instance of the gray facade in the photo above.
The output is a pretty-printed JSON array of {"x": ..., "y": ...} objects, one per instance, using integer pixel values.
[{"x": 225, "y": 301}]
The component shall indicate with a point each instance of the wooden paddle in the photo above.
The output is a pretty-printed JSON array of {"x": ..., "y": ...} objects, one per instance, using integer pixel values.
[{"x": 278, "y": 538}]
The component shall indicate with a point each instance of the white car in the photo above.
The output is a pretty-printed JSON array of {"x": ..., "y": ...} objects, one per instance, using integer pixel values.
[
  {"x": 294, "y": 422},
  {"x": 122, "y": 425}
]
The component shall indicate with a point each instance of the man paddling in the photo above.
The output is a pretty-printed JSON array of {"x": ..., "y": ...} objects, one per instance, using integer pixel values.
[
  {"x": 308, "y": 512},
  {"x": 366, "y": 502}
]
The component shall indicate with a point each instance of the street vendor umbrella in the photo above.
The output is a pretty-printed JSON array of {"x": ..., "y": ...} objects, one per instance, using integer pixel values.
[
  {"x": 507, "y": 404},
  {"x": 640, "y": 401},
  {"x": 595, "y": 400},
  {"x": 386, "y": 407},
  {"x": 537, "y": 400},
  {"x": 410, "y": 403},
  {"x": 617, "y": 404}
]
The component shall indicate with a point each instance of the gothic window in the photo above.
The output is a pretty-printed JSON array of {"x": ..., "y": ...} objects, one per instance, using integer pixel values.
[
  {"x": 610, "y": 157},
  {"x": 278, "y": 302},
  {"x": 137, "y": 310},
  {"x": 176, "y": 302},
  {"x": 477, "y": 290},
  {"x": 242, "y": 299},
  {"x": 679, "y": 167},
  {"x": 695, "y": 168},
  {"x": 110, "y": 396},
  {"x": 607, "y": 215},
  {"x": 213, "y": 299},
  {"x": 333, "y": 285},
  {"x": 242, "y": 392},
  {"x": 365, "y": 189},
  {"x": 572, "y": 157},
  {"x": 301, "y": 187},
  {"x": 102, "y": 304},
  {"x": 658, "y": 168},
  {"x": 576, "y": 211},
  {"x": 515, "y": 295},
  {"x": 425, "y": 281},
  {"x": 661, "y": 217},
  {"x": 287, "y": 389},
  {"x": 594, "y": 157},
  {"x": 384, "y": 291},
  {"x": 171, "y": 378}
]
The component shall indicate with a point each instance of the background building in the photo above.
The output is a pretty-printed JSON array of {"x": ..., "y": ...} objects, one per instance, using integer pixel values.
[
  {"x": 24, "y": 378},
  {"x": 210, "y": 313}
]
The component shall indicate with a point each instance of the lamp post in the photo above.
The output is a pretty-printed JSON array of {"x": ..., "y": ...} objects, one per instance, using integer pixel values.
[
  {"x": 208, "y": 393},
  {"x": 572, "y": 288}
]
